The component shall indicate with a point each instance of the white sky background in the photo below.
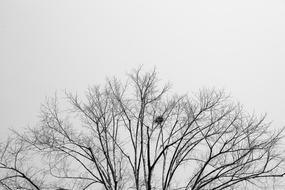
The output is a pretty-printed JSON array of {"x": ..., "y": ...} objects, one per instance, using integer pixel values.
[{"x": 48, "y": 46}]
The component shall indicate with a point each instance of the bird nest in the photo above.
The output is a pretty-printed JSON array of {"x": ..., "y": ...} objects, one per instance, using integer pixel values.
[{"x": 158, "y": 119}]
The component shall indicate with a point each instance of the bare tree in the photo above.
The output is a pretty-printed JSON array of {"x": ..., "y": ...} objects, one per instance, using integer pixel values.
[
  {"x": 15, "y": 171},
  {"x": 136, "y": 135}
]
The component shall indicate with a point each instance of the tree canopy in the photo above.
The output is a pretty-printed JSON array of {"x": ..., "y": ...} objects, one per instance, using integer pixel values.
[{"x": 137, "y": 134}]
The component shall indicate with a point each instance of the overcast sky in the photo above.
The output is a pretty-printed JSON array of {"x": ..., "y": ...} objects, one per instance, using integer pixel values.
[{"x": 48, "y": 46}]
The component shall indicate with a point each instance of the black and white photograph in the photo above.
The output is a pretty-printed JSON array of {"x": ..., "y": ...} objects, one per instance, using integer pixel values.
[{"x": 142, "y": 95}]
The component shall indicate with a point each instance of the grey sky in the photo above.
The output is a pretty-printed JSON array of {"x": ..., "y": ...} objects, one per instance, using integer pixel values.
[{"x": 54, "y": 45}]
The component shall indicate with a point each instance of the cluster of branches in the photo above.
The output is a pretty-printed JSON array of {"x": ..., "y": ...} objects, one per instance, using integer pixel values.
[{"x": 136, "y": 135}]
